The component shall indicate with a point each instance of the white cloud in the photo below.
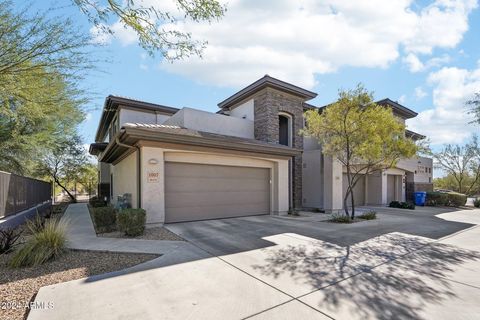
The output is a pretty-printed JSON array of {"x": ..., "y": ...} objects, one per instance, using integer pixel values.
[
  {"x": 420, "y": 93},
  {"x": 126, "y": 36},
  {"x": 448, "y": 120},
  {"x": 88, "y": 117},
  {"x": 296, "y": 40},
  {"x": 441, "y": 24},
  {"x": 143, "y": 67},
  {"x": 415, "y": 65},
  {"x": 99, "y": 36},
  {"x": 402, "y": 99}
]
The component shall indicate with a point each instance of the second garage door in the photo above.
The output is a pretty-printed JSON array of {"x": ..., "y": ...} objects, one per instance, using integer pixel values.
[{"x": 199, "y": 191}]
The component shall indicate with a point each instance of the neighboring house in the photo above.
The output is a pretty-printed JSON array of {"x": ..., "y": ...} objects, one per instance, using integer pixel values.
[{"x": 247, "y": 159}]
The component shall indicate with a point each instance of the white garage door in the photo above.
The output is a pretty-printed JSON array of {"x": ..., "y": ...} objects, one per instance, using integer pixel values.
[{"x": 199, "y": 191}]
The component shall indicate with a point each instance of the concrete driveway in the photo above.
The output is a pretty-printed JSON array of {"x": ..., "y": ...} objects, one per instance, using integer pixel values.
[
  {"x": 405, "y": 265},
  {"x": 226, "y": 236}
]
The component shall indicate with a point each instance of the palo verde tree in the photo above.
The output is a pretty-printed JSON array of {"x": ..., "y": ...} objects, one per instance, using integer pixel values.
[
  {"x": 63, "y": 162},
  {"x": 363, "y": 136},
  {"x": 156, "y": 25},
  {"x": 43, "y": 60},
  {"x": 461, "y": 163}
]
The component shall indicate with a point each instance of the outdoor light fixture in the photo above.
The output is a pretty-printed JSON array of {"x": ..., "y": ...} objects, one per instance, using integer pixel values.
[{"x": 152, "y": 161}]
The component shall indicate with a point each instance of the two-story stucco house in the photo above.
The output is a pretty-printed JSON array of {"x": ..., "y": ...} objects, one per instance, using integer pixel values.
[{"x": 247, "y": 159}]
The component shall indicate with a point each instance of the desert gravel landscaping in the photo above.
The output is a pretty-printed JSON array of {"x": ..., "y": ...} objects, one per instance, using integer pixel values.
[
  {"x": 155, "y": 233},
  {"x": 19, "y": 286}
]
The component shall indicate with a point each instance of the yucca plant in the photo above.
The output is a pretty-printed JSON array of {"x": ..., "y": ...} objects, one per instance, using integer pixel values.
[{"x": 44, "y": 245}]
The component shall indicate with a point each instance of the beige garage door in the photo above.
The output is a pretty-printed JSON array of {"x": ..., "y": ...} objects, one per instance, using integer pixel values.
[
  {"x": 199, "y": 191},
  {"x": 358, "y": 191},
  {"x": 390, "y": 188}
]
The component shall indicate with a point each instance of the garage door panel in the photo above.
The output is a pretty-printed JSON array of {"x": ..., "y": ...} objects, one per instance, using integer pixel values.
[
  {"x": 217, "y": 212},
  {"x": 186, "y": 184},
  {"x": 198, "y": 191},
  {"x": 180, "y": 199},
  {"x": 358, "y": 190},
  {"x": 189, "y": 170}
]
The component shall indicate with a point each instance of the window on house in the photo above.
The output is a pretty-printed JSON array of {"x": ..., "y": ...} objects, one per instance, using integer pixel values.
[{"x": 284, "y": 130}]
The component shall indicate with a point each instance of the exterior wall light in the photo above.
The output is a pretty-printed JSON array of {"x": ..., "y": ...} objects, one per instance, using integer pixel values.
[{"x": 152, "y": 161}]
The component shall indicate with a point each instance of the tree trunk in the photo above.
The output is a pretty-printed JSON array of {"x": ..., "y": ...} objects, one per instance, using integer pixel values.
[
  {"x": 65, "y": 189},
  {"x": 350, "y": 191},
  {"x": 345, "y": 203},
  {"x": 353, "y": 204}
]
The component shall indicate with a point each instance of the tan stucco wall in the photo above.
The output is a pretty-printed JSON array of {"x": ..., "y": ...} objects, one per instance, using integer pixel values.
[
  {"x": 153, "y": 159},
  {"x": 415, "y": 165},
  {"x": 212, "y": 122},
  {"x": 244, "y": 110},
  {"x": 332, "y": 182},
  {"x": 312, "y": 181},
  {"x": 104, "y": 169},
  {"x": 125, "y": 178}
]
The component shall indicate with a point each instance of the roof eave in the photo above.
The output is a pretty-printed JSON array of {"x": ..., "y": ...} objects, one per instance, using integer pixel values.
[
  {"x": 112, "y": 104},
  {"x": 265, "y": 82},
  {"x": 132, "y": 136},
  {"x": 398, "y": 108}
]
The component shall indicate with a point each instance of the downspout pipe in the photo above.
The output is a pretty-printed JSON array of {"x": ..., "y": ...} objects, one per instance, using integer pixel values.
[{"x": 139, "y": 169}]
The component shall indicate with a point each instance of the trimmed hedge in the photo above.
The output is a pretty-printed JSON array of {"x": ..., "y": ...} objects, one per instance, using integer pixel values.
[
  {"x": 476, "y": 203},
  {"x": 449, "y": 199},
  {"x": 131, "y": 221},
  {"x": 402, "y": 205},
  {"x": 95, "y": 202},
  {"x": 104, "y": 218}
]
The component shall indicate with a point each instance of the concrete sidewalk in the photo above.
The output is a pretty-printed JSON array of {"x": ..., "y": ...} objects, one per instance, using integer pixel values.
[{"x": 81, "y": 235}]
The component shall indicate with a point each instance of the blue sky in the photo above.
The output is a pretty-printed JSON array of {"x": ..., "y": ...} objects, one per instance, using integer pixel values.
[{"x": 425, "y": 54}]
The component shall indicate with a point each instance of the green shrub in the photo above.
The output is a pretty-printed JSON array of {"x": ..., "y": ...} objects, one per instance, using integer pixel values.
[
  {"x": 104, "y": 218},
  {"x": 402, "y": 205},
  {"x": 131, "y": 221},
  {"x": 8, "y": 238},
  {"x": 96, "y": 202},
  {"x": 369, "y": 215},
  {"x": 36, "y": 224},
  {"x": 44, "y": 245},
  {"x": 476, "y": 203},
  {"x": 394, "y": 204},
  {"x": 293, "y": 212},
  {"x": 449, "y": 199},
  {"x": 340, "y": 218}
]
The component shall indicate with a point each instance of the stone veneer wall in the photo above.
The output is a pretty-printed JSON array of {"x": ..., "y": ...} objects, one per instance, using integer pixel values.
[{"x": 267, "y": 104}]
